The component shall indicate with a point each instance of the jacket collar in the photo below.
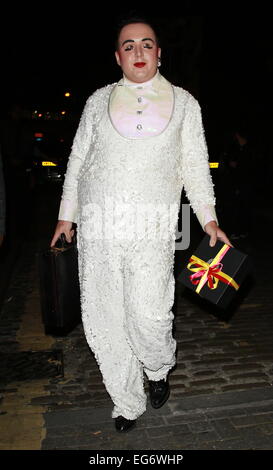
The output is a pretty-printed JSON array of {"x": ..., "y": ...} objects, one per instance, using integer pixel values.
[{"x": 154, "y": 83}]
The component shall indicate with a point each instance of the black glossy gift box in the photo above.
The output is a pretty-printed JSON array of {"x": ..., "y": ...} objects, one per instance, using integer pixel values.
[{"x": 215, "y": 273}]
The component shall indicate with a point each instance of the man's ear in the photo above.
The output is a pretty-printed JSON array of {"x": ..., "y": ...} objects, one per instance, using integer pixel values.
[{"x": 117, "y": 57}]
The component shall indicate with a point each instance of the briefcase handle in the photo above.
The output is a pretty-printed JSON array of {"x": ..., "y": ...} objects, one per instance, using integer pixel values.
[{"x": 62, "y": 244}]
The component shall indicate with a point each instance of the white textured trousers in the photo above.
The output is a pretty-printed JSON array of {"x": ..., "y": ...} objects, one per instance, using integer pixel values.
[{"x": 127, "y": 293}]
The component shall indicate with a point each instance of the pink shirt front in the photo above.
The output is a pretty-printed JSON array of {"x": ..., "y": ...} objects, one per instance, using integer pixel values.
[{"x": 140, "y": 110}]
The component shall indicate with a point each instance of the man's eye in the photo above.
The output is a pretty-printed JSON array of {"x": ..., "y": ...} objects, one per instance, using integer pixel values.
[
  {"x": 129, "y": 48},
  {"x": 148, "y": 46}
]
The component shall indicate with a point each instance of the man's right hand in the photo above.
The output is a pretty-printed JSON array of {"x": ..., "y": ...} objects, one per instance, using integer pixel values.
[{"x": 63, "y": 226}]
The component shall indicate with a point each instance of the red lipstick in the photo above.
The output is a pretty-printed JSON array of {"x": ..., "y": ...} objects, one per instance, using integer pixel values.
[{"x": 139, "y": 64}]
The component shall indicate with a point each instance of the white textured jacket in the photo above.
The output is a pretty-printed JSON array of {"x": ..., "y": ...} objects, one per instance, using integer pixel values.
[{"x": 183, "y": 140}]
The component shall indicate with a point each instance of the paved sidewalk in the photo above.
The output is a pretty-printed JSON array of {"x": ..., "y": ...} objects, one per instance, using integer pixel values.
[
  {"x": 221, "y": 388},
  {"x": 231, "y": 420}
]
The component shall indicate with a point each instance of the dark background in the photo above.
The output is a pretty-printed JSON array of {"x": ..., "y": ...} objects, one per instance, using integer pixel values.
[{"x": 225, "y": 61}]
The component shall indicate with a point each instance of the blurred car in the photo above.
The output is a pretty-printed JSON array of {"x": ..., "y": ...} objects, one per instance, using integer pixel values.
[{"x": 47, "y": 162}]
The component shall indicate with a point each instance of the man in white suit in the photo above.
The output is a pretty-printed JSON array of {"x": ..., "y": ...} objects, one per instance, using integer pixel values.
[{"x": 138, "y": 143}]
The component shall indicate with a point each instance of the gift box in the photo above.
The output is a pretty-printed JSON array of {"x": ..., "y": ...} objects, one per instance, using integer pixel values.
[{"x": 215, "y": 273}]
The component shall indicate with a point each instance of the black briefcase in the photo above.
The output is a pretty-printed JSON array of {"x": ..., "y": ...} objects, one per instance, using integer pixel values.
[{"x": 59, "y": 287}]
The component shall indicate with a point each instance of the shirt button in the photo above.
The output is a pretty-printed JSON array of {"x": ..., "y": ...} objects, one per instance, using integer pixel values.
[
  {"x": 139, "y": 99},
  {"x": 139, "y": 127},
  {"x": 139, "y": 87},
  {"x": 139, "y": 112}
]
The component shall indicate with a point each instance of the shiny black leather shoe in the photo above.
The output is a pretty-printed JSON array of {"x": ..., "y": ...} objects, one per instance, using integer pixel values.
[
  {"x": 123, "y": 424},
  {"x": 159, "y": 392}
]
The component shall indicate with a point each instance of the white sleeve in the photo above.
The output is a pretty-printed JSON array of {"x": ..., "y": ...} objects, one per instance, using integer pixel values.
[
  {"x": 80, "y": 147},
  {"x": 206, "y": 214},
  {"x": 195, "y": 170}
]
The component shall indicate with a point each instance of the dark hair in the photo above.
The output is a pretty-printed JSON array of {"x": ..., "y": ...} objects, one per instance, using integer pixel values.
[{"x": 133, "y": 20}]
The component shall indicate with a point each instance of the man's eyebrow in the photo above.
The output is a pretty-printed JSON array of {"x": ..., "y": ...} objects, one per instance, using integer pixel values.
[
  {"x": 148, "y": 39},
  {"x": 132, "y": 40}
]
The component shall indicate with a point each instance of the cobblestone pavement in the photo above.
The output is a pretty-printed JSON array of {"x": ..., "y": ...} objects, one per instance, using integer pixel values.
[{"x": 221, "y": 388}]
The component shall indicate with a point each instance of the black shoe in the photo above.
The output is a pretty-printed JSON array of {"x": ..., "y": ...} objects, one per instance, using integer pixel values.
[
  {"x": 159, "y": 392},
  {"x": 123, "y": 425}
]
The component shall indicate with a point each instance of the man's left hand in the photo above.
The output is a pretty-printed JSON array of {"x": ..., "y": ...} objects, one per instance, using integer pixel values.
[{"x": 215, "y": 233}]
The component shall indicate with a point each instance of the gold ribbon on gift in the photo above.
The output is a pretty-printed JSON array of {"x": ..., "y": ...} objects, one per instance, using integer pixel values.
[{"x": 210, "y": 272}]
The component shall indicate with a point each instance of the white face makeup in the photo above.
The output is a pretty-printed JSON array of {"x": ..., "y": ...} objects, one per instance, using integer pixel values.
[{"x": 138, "y": 53}]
